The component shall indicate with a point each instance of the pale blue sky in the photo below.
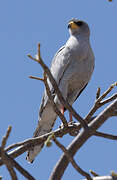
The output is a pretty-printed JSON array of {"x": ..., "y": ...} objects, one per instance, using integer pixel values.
[{"x": 22, "y": 25}]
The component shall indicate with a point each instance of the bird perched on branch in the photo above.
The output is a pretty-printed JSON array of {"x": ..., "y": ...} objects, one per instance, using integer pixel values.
[{"x": 72, "y": 67}]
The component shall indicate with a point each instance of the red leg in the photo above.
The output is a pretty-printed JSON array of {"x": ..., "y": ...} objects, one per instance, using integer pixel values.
[
  {"x": 70, "y": 115},
  {"x": 62, "y": 110}
]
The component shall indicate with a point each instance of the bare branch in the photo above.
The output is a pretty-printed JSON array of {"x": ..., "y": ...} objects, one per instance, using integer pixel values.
[
  {"x": 70, "y": 159},
  {"x": 98, "y": 102},
  {"x": 109, "y": 99},
  {"x": 107, "y": 92},
  {"x": 98, "y": 93},
  {"x": 24, "y": 146},
  {"x": 8, "y": 165},
  {"x": 19, "y": 168},
  {"x": 37, "y": 78},
  {"x": 81, "y": 138},
  {"x": 4, "y": 157},
  {"x": 104, "y": 135},
  {"x": 4, "y": 140}
]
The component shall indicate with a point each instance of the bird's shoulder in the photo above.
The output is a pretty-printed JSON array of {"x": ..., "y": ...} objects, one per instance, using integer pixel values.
[{"x": 57, "y": 53}]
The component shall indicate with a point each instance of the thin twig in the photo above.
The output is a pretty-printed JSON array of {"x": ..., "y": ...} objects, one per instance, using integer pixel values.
[
  {"x": 98, "y": 102},
  {"x": 98, "y": 93},
  {"x": 4, "y": 157},
  {"x": 4, "y": 140},
  {"x": 37, "y": 78},
  {"x": 107, "y": 92},
  {"x": 109, "y": 99},
  {"x": 70, "y": 158}
]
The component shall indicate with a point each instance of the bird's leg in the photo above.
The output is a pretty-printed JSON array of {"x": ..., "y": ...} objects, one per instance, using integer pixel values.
[
  {"x": 70, "y": 115},
  {"x": 62, "y": 110}
]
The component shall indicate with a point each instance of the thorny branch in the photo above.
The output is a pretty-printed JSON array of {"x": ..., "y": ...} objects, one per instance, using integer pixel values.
[{"x": 90, "y": 124}]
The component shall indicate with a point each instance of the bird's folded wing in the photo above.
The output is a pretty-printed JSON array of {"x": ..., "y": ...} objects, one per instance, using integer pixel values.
[{"x": 59, "y": 65}]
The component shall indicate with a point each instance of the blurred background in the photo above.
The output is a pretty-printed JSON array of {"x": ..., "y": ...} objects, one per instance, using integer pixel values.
[{"x": 22, "y": 25}]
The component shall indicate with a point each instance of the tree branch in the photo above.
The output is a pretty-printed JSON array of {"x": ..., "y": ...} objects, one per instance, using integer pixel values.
[
  {"x": 10, "y": 162},
  {"x": 70, "y": 158},
  {"x": 98, "y": 102},
  {"x": 104, "y": 135},
  {"x": 4, "y": 156},
  {"x": 8, "y": 166},
  {"x": 80, "y": 139},
  {"x": 25, "y": 173}
]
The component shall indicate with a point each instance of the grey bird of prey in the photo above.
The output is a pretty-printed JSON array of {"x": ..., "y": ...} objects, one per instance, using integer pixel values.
[{"x": 72, "y": 67}]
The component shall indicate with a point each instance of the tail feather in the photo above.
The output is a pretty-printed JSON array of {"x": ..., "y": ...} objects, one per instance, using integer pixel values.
[{"x": 45, "y": 125}]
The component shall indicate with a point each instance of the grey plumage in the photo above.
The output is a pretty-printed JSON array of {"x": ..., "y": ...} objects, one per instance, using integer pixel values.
[{"x": 72, "y": 67}]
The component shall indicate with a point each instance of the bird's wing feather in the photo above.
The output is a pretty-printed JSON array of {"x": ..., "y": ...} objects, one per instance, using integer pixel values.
[
  {"x": 59, "y": 65},
  {"x": 80, "y": 92}
]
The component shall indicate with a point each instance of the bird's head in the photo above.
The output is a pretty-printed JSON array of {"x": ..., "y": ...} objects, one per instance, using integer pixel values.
[{"x": 76, "y": 27}]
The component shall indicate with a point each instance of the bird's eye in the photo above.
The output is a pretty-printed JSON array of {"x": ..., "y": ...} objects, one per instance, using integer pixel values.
[{"x": 79, "y": 23}]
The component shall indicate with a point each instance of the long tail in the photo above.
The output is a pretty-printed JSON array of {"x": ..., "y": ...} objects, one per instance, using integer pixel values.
[{"x": 45, "y": 125}]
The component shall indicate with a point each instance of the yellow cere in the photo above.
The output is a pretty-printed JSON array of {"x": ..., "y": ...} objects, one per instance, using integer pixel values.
[{"x": 73, "y": 25}]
